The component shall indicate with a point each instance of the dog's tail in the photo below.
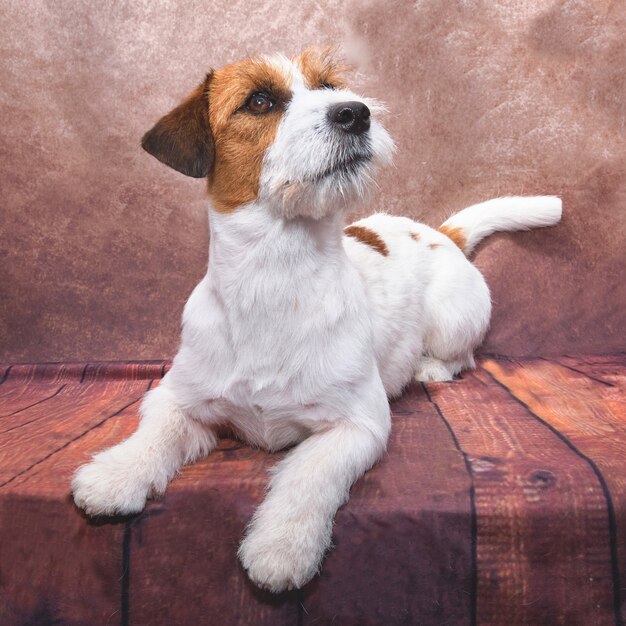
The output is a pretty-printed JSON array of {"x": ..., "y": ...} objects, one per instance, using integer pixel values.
[{"x": 469, "y": 226}]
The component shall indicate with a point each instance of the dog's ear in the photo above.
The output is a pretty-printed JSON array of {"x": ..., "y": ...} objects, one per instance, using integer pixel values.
[{"x": 182, "y": 139}]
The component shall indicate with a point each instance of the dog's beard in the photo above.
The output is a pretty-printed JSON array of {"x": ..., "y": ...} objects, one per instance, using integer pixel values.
[
  {"x": 336, "y": 188},
  {"x": 336, "y": 184},
  {"x": 315, "y": 169}
]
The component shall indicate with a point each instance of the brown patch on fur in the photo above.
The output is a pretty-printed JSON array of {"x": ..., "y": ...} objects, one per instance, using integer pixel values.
[
  {"x": 415, "y": 236},
  {"x": 241, "y": 138},
  {"x": 434, "y": 246},
  {"x": 455, "y": 234},
  {"x": 368, "y": 237},
  {"x": 319, "y": 68}
]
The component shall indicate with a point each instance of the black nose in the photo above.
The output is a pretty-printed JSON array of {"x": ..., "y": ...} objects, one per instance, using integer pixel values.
[{"x": 352, "y": 117}]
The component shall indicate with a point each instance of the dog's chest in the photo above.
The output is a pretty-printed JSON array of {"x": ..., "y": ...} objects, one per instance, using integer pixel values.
[
  {"x": 289, "y": 348},
  {"x": 266, "y": 427},
  {"x": 278, "y": 331},
  {"x": 271, "y": 349}
]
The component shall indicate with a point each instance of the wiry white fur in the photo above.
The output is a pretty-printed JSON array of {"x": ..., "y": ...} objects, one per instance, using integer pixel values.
[
  {"x": 306, "y": 146},
  {"x": 121, "y": 478},
  {"x": 297, "y": 335},
  {"x": 431, "y": 306},
  {"x": 503, "y": 214}
]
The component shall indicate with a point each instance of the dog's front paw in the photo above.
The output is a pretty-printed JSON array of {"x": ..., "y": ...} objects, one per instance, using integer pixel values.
[
  {"x": 101, "y": 488},
  {"x": 275, "y": 567},
  {"x": 279, "y": 557}
]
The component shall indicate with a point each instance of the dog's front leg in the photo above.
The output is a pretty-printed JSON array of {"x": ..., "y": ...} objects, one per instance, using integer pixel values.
[
  {"x": 291, "y": 530},
  {"x": 118, "y": 480}
]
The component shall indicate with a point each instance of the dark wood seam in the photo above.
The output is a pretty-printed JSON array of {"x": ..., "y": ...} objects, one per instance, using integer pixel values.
[
  {"x": 126, "y": 551},
  {"x": 300, "y": 610},
  {"x": 474, "y": 516},
  {"x": 30, "y": 406},
  {"x": 125, "y": 579},
  {"x": 573, "y": 369},
  {"x": 584, "y": 357},
  {"x": 621, "y": 363},
  {"x": 6, "y": 374},
  {"x": 71, "y": 441},
  {"x": 615, "y": 576}
]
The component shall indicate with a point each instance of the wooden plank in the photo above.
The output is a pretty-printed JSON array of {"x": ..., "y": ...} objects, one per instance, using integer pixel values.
[
  {"x": 144, "y": 598},
  {"x": 403, "y": 542},
  {"x": 28, "y": 385},
  {"x": 83, "y": 372},
  {"x": 147, "y": 572},
  {"x": 71, "y": 568},
  {"x": 608, "y": 370},
  {"x": 57, "y": 568},
  {"x": 79, "y": 575},
  {"x": 526, "y": 482},
  {"x": 196, "y": 529},
  {"x": 45, "y": 428},
  {"x": 18, "y": 397},
  {"x": 617, "y": 359},
  {"x": 591, "y": 417},
  {"x": 22, "y": 373},
  {"x": 130, "y": 370},
  {"x": 50, "y": 478}
]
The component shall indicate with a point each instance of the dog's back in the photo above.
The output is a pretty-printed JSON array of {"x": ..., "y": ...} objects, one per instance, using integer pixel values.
[{"x": 430, "y": 306}]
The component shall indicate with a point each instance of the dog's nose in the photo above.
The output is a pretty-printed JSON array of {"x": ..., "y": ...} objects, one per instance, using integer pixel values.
[{"x": 353, "y": 117}]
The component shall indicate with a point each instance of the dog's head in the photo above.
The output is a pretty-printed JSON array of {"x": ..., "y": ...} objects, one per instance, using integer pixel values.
[{"x": 286, "y": 132}]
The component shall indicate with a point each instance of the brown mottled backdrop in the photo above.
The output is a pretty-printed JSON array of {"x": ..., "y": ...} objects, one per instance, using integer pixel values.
[{"x": 100, "y": 244}]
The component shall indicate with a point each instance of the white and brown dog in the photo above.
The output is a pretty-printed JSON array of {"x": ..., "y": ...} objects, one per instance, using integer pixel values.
[{"x": 301, "y": 328}]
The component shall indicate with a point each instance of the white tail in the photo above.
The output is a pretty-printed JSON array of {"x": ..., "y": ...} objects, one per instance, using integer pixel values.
[{"x": 478, "y": 221}]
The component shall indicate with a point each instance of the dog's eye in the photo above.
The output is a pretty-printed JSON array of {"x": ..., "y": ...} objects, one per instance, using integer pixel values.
[
  {"x": 259, "y": 102},
  {"x": 327, "y": 86}
]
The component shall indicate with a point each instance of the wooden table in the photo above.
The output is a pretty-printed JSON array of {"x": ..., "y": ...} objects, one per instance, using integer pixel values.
[{"x": 502, "y": 500}]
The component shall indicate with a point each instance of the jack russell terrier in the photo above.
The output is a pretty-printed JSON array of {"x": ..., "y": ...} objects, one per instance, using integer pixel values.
[{"x": 302, "y": 327}]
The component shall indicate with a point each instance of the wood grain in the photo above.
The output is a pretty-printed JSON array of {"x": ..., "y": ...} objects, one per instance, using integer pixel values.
[
  {"x": 62, "y": 567},
  {"x": 47, "y": 427},
  {"x": 50, "y": 478},
  {"x": 527, "y": 482},
  {"x": 20, "y": 396},
  {"x": 608, "y": 369},
  {"x": 500, "y": 501},
  {"x": 591, "y": 418}
]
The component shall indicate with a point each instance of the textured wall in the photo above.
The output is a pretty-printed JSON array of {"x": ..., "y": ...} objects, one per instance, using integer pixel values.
[{"x": 100, "y": 244}]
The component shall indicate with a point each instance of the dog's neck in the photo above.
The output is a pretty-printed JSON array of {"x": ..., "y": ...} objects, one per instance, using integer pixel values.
[
  {"x": 255, "y": 247},
  {"x": 255, "y": 235}
]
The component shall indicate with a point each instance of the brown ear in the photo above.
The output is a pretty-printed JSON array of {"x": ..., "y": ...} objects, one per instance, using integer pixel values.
[{"x": 182, "y": 139}]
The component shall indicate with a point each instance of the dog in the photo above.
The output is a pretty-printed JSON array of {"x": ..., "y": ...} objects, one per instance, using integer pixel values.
[{"x": 302, "y": 328}]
